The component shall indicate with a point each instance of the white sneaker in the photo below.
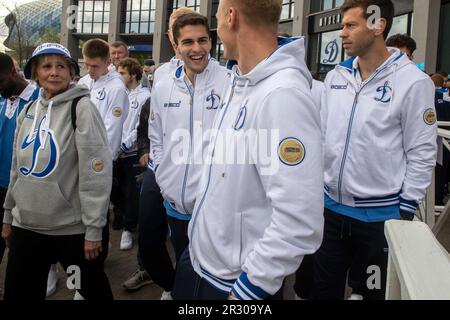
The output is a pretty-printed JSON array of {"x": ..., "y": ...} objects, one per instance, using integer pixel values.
[
  {"x": 52, "y": 280},
  {"x": 357, "y": 297},
  {"x": 78, "y": 296},
  {"x": 166, "y": 295},
  {"x": 126, "y": 242}
]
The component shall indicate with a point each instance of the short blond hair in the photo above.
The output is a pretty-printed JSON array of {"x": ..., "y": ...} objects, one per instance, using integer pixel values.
[
  {"x": 178, "y": 13},
  {"x": 259, "y": 12}
]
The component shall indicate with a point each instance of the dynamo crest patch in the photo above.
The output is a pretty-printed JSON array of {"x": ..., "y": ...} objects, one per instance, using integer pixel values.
[
  {"x": 97, "y": 165},
  {"x": 291, "y": 151},
  {"x": 429, "y": 117},
  {"x": 117, "y": 112}
]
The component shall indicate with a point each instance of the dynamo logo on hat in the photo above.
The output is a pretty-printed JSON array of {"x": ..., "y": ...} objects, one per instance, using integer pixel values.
[{"x": 48, "y": 48}]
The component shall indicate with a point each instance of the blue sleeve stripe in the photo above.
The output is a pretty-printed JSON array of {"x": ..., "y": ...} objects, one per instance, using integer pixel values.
[
  {"x": 408, "y": 208},
  {"x": 244, "y": 285}
]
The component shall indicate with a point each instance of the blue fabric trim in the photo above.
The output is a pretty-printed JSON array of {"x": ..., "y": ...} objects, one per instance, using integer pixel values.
[
  {"x": 175, "y": 214},
  {"x": 348, "y": 64},
  {"x": 231, "y": 64},
  {"x": 410, "y": 203},
  {"x": 379, "y": 199},
  {"x": 365, "y": 214},
  {"x": 179, "y": 71},
  {"x": 244, "y": 283}
]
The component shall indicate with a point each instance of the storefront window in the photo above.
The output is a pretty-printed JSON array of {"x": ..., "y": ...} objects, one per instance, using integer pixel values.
[
  {"x": 399, "y": 25},
  {"x": 193, "y": 4},
  {"x": 288, "y": 9}
]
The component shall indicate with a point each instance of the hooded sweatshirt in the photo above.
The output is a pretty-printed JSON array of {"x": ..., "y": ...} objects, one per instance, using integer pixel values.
[
  {"x": 379, "y": 139},
  {"x": 109, "y": 95},
  {"x": 181, "y": 116},
  {"x": 60, "y": 177},
  {"x": 254, "y": 220}
]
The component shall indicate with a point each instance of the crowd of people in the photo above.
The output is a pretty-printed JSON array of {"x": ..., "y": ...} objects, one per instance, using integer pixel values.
[{"x": 254, "y": 170}]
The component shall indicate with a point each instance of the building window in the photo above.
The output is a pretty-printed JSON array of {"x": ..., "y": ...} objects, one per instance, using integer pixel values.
[
  {"x": 401, "y": 24},
  {"x": 192, "y": 4},
  {"x": 138, "y": 16},
  {"x": 288, "y": 10},
  {"x": 331, "y": 4},
  {"x": 93, "y": 16}
]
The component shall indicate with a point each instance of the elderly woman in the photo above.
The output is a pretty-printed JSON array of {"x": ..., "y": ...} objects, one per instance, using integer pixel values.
[{"x": 58, "y": 197}]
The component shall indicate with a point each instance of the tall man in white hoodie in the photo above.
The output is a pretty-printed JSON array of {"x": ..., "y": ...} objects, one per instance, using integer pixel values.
[
  {"x": 379, "y": 129},
  {"x": 183, "y": 108},
  {"x": 256, "y": 216}
]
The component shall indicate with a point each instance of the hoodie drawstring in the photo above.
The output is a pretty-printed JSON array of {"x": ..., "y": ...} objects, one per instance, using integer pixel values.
[{"x": 47, "y": 124}]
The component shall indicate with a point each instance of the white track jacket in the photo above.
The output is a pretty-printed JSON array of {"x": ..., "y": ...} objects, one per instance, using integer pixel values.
[
  {"x": 257, "y": 217},
  {"x": 380, "y": 136},
  {"x": 137, "y": 97},
  {"x": 109, "y": 95},
  {"x": 180, "y": 118}
]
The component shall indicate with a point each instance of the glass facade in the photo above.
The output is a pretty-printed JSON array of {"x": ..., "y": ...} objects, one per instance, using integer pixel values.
[
  {"x": 138, "y": 16},
  {"x": 93, "y": 16},
  {"x": 36, "y": 18}
]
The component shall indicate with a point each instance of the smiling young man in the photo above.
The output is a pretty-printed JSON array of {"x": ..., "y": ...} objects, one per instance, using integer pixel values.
[
  {"x": 379, "y": 129},
  {"x": 255, "y": 220},
  {"x": 183, "y": 108}
]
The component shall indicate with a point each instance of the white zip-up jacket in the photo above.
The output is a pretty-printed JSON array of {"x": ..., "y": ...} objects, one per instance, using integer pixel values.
[
  {"x": 254, "y": 221},
  {"x": 137, "y": 97},
  {"x": 380, "y": 135},
  {"x": 109, "y": 95},
  {"x": 180, "y": 118}
]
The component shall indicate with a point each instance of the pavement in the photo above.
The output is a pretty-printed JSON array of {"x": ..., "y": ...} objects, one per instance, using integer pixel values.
[{"x": 122, "y": 264}]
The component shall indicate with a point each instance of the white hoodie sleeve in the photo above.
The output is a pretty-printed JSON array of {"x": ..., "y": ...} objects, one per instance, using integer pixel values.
[
  {"x": 155, "y": 131},
  {"x": 295, "y": 191},
  {"x": 117, "y": 113},
  {"x": 418, "y": 120}
]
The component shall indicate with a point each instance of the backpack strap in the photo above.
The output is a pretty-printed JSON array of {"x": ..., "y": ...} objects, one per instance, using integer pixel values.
[{"x": 74, "y": 111}]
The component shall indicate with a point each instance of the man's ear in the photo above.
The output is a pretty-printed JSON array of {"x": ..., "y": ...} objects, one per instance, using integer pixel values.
[
  {"x": 232, "y": 17},
  {"x": 380, "y": 26}
]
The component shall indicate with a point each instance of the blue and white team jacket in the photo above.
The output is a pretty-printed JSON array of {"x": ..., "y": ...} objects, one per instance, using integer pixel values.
[
  {"x": 9, "y": 110},
  {"x": 137, "y": 97},
  {"x": 109, "y": 95},
  {"x": 180, "y": 118},
  {"x": 379, "y": 139},
  {"x": 255, "y": 220}
]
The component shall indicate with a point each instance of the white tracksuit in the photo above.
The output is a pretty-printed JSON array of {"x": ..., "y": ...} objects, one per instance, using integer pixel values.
[
  {"x": 137, "y": 97},
  {"x": 255, "y": 220},
  {"x": 109, "y": 95},
  {"x": 380, "y": 136},
  {"x": 180, "y": 118}
]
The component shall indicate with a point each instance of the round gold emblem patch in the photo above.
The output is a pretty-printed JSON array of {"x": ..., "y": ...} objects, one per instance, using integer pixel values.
[
  {"x": 291, "y": 151},
  {"x": 429, "y": 116},
  {"x": 117, "y": 112},
  {"x": 97, "y": 165}
]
